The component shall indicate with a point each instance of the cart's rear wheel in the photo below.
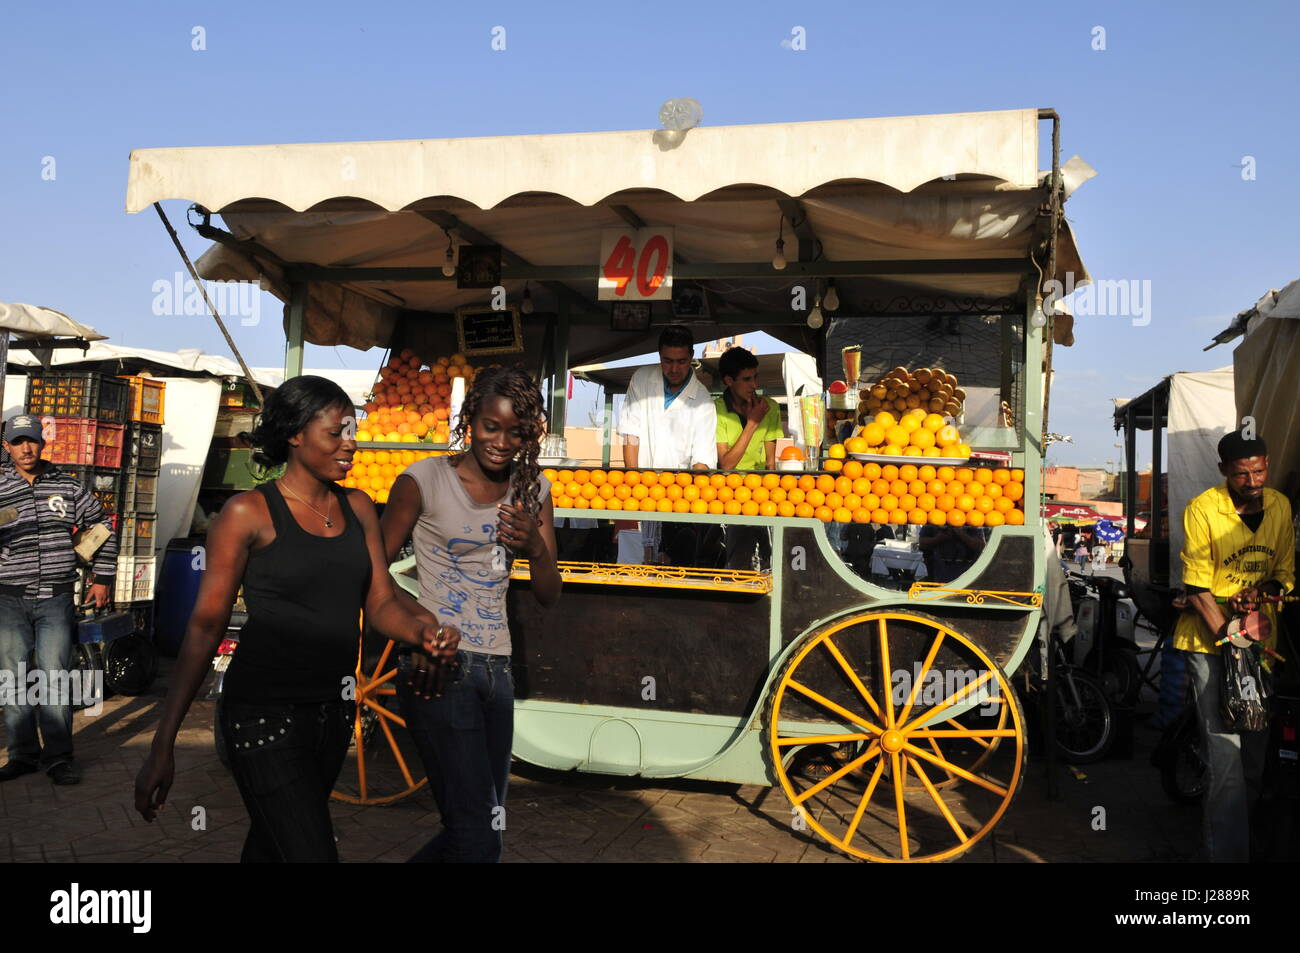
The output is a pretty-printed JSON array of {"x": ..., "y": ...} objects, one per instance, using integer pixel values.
[
  {"x": 884, "y": 731},
  {"x": 383, "y": 764}
]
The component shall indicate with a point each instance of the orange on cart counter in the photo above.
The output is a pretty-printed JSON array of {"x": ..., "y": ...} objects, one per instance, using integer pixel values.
[{"x": 857, "y": 493}]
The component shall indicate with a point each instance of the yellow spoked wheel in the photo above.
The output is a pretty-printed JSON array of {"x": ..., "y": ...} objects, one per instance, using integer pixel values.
[
  {"x": 381, "y": 759},
  {"x": 885, "y": 733}
]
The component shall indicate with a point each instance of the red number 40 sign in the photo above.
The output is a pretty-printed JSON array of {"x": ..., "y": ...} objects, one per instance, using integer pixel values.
[{"x": 636, "y": 264}]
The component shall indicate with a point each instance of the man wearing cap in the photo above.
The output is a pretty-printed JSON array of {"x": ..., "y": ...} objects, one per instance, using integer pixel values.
[
  {"x": 1239, "y": 545},
  {"x": 40, "y": 507}
]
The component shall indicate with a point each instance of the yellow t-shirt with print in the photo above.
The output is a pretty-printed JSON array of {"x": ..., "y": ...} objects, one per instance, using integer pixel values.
[{"x": 1221, "y": 554}]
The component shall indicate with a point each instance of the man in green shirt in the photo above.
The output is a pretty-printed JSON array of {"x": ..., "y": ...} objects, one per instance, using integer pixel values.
[
  {"x": 748, "y": 428},
  {"x": 749, "y": 425}
]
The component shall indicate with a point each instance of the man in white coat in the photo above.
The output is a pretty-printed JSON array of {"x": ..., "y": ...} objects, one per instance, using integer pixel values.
[
  {"x": 668, "y": 413},
  {"x": 669, "y": 423}
]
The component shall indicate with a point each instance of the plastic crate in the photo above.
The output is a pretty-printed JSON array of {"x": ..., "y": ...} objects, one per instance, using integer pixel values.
[
  {"x": 137, "y": 534},
  {"x": 144, "y": 447},
  {"x": 86, "y": 394},
  {"x": 139, "y": 490},
  {"x": 238, "y": 394},
  {"x": 105, "y": 628},
  {"x": 105, "y": 483},
  {"x": 82, "y": 441},
  {"x": 135, "y": 577},
  {"x": 147, "y": 399}
]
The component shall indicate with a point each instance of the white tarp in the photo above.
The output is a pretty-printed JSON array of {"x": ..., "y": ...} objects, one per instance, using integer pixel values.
[
  {"x": 188, "y": 359},
  {"x": 186, "y": 439},
  {"x": 1201, "y": 410}
]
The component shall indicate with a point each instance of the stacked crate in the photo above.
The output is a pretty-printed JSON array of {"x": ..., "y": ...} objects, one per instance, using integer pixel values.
[
  {"x": 138, "y": 494},
  {"x": 84, "y": 417}
]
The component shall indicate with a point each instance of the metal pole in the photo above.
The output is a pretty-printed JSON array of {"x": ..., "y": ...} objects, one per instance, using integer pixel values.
[
  {"x": 609, "y": 427},
  {"x": 560, "y": 370},
  {"x": 297, "y": 318},
  {"x": 198, "y": 283},
  {"x": 4, "y": 364}
]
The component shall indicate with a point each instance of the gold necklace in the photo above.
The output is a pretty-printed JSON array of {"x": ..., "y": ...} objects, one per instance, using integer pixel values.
[{"x": 328, "y": 505}]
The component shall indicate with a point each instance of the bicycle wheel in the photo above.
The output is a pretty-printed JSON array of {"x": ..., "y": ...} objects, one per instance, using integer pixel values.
[
  {"x": 130, "y": 664},
  {"x": 1085, "y": 725},
  {"x": 1121, "y": 677}
]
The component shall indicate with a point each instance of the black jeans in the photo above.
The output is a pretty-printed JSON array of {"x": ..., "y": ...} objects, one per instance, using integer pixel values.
[{"x": 285, "y": 759}]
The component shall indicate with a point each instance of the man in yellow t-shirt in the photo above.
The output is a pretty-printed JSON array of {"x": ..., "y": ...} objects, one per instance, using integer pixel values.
[
  {"x": 749, "y": 425},
  {"x": 1239, "y": 545}
]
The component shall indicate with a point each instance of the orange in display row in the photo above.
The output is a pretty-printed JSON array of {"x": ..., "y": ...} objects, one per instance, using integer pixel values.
[{"x": 860, "y": 493}]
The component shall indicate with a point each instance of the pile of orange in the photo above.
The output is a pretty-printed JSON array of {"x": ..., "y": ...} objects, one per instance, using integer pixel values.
[
  {"x": 916, "y": 433},
  {"x": 373, "y": 471},
  {"x": 860, "y": 493},
  {"x": 411, "y": 402}
]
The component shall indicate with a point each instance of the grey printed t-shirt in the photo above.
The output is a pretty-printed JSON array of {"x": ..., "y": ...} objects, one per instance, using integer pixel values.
[{"x": 464, "y": 573}]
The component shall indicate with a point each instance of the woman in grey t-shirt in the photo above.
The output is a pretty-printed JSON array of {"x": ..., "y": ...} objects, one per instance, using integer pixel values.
[{"x": 469, "y": 515}]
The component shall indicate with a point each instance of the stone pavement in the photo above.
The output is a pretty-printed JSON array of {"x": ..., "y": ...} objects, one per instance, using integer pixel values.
[{"x": 551, "y": 816}]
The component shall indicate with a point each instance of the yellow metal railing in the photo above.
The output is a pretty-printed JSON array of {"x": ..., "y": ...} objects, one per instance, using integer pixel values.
[{"x": 662, "y": 577}]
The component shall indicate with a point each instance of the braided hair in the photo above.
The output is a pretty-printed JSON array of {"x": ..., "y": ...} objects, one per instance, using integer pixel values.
[{"x": 516, "y": 386}]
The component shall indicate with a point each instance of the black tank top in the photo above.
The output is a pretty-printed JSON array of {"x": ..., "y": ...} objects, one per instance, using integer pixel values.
[{"x": 304, "y": 595}]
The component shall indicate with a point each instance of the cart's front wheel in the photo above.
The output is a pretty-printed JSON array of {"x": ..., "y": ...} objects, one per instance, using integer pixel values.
[
  {"x": 905, "y": 717},
  {"x": 382, "y": 765}
]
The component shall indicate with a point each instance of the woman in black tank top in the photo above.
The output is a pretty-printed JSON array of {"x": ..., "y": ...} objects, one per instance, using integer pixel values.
[{"x": 310, "y": 557}]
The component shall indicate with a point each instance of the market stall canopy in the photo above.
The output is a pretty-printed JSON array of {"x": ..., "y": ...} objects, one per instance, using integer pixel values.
[
  {"x": 1194, "y": 409},
  {"x": 1267, "y": 364},
  {"x": 32, "y": 321},
  {"x": 923, "y": 191},
  {"x": 1071, "y": 513},
  {"x": 120, "y": 359}
]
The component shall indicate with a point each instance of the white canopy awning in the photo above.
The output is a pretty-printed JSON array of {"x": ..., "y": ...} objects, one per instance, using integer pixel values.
[
  {"x": 960, "y": 187},
  {"x": 793, "y": 158},
  {"x": 33, "y": 321}
]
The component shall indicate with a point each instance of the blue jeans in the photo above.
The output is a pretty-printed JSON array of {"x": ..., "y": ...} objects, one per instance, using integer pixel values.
[
  {"x": 44, "y": 626},
  {"x": 285, "y": 759},
  {"x": 1235, "y": 764},
  {"x": 464, "y": 739}
]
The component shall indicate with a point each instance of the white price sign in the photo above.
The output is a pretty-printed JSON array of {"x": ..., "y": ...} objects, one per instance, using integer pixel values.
[{"x": 636, "y": 264}]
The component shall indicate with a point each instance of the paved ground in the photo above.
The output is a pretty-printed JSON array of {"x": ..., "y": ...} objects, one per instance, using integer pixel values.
[{"x": 551, "y": 816}]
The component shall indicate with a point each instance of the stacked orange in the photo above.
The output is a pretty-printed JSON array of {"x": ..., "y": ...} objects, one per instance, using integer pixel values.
[
  {"x": 411, "y": 402},
  {"x": 917, "y": 433},
  {"x": 859, "y": 493},
  {"x": 373, "y": 471}
]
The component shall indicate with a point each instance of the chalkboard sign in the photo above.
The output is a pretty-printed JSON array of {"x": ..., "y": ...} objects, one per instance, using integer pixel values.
[{"x": 482, "y": 330}]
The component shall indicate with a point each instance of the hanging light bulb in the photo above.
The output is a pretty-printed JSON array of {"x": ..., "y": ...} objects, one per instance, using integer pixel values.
[
  {"x": 1039, "y": 319},
  {"x": 815, "y": 317},
  {"x": 527, "y": 306},
  {"x": 449, "y": 263},
  {"x": 832, "y": 296},
  {"x": 778, "y": 260}
]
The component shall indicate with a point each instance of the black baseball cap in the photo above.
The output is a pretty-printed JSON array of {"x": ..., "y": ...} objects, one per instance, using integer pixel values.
[{"x": 23, "y": 425}]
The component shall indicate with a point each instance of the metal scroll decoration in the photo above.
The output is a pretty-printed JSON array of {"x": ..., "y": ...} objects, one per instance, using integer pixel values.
[
  {"x": 931, "y": 591},
  {"x": 668, "y": 577}
]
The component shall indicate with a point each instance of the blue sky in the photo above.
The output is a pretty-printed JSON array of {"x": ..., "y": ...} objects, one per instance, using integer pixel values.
[{"x": 1166, "y": 113}]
